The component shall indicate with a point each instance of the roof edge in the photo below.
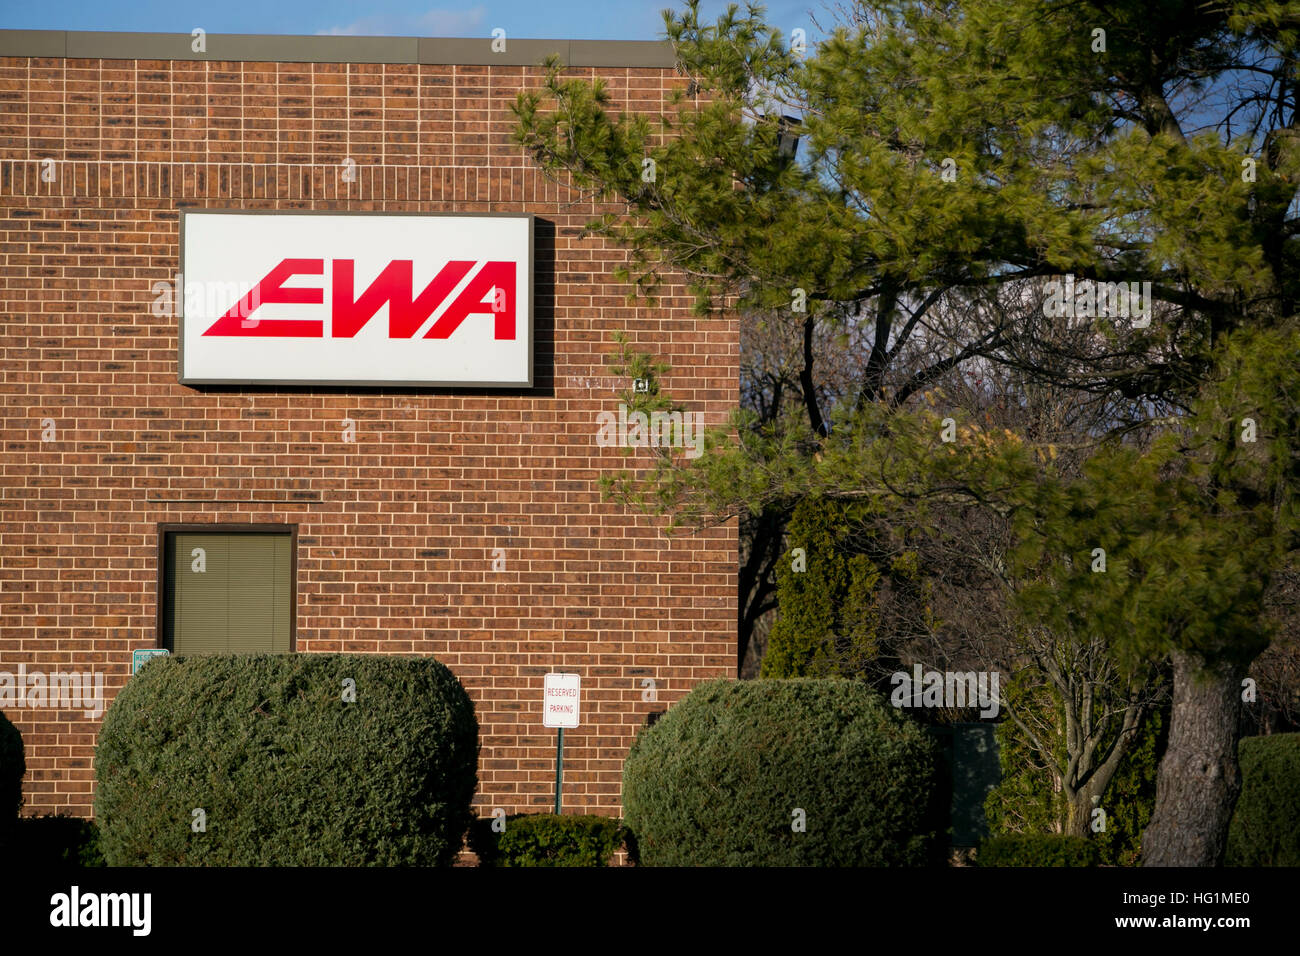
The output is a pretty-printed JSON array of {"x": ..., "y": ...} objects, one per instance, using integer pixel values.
[{"x": 271, "y": 48}]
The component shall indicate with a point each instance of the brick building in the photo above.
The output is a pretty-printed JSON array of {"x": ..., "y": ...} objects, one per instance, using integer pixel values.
[{"x": 462, "y": 522}]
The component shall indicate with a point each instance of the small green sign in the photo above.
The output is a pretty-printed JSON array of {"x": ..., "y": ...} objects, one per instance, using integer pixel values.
[{"x": 144, "y": 655}]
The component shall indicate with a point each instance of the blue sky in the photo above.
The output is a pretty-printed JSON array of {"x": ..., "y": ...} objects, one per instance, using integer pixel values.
[{"x": 558, "y": 19}]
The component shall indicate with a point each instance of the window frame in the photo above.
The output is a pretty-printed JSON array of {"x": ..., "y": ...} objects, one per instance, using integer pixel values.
[{"x": 222, "y": 527}]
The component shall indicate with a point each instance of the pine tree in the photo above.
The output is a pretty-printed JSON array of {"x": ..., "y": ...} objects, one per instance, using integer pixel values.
[{"x": 963, "y": 155}]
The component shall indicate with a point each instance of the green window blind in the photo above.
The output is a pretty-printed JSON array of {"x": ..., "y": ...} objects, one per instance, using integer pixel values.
[{"x": 239, "y": 603}]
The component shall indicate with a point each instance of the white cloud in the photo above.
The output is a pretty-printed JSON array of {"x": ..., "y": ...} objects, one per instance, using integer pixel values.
[{"x": 432, "y": 23}]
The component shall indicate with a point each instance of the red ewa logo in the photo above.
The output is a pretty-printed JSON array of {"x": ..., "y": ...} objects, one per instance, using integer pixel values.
[{"x": 407, "y": 312}]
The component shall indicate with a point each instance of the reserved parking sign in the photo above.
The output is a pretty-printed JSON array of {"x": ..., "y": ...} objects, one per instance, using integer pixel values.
[{"x": 561, "y": 698}]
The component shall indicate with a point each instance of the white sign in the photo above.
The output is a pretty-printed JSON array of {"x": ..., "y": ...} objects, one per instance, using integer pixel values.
[
  {"x": 293, "y": 298},
  {"x": 561, "y": 697},
  {"x": 143, "y": 655}
]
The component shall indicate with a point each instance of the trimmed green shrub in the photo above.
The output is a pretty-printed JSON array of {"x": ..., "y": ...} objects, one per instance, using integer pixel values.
[
  {"x": 258, "y": 760},
  {"x": 544, "y": 839},
  {"x": 53, "y": 840},
  {"x": 1263, "y": 831},
  {"x": 12, "y": 768},
  {"x": 1038, "y": 849},
  {"x": 718, "y": 779}
]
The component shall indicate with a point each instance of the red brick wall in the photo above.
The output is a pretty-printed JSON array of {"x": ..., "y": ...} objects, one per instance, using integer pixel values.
[{"x": 396, "y": 530}]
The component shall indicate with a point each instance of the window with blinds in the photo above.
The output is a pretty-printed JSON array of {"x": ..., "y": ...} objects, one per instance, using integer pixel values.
[{"x": 228, "y": 593}]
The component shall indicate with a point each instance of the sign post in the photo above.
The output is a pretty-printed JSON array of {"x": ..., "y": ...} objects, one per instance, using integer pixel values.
[
  {"x": 559, "y": 767},
  {"x": 561, "y": 698}
]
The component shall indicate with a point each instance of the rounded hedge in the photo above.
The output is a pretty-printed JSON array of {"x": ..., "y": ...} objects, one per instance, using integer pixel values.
[
  {"x": 544, "y": 839},
  {"x": 718, "y": 779},
  {"x": 1263, "y": 831},
  {"x": 55, "y": 840},
  {"x": 284, "y": 769},
  {"x": 1038, "y": 849},
  {"x": 12, "y": 768}
]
